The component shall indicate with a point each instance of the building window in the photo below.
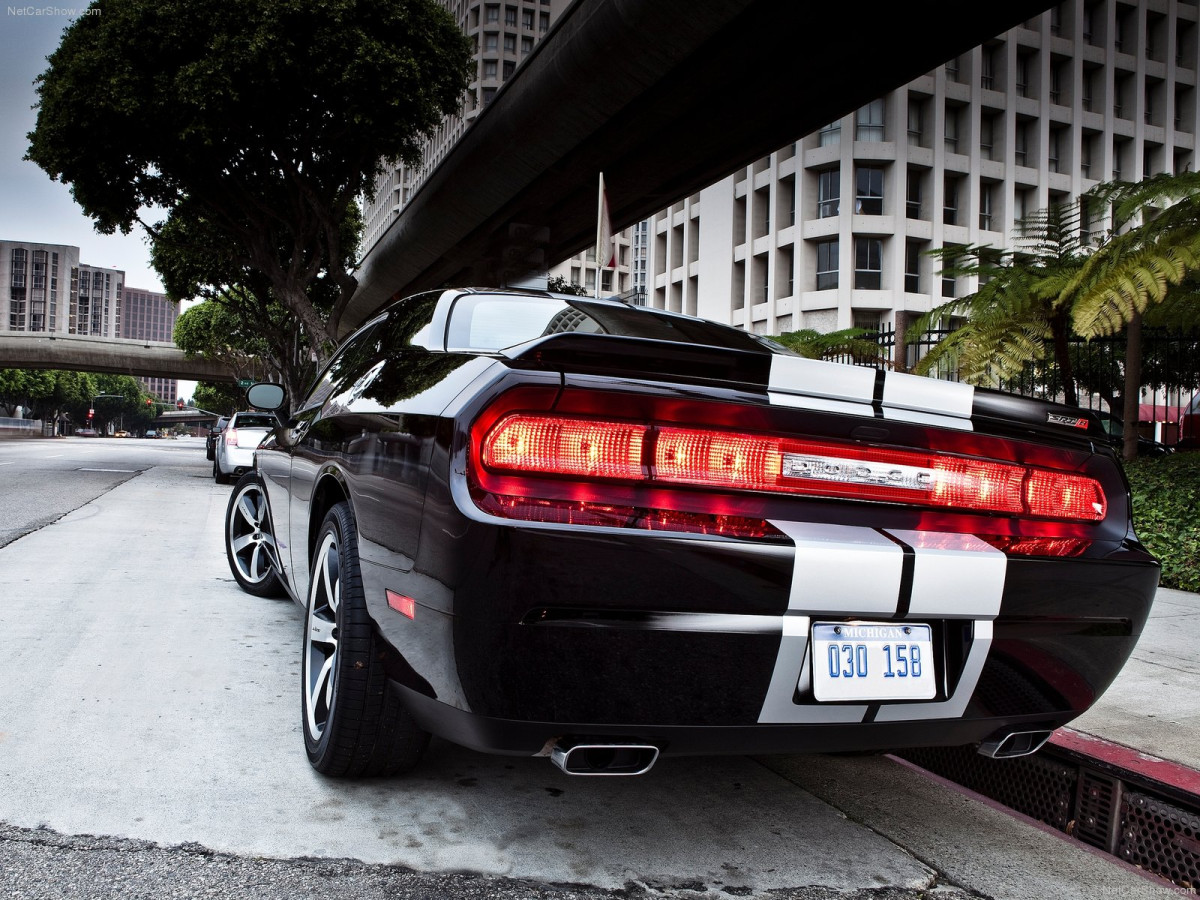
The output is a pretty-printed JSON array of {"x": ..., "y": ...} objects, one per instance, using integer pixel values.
[
  {"x": 868, "y": 198},
  {"x": 509, "y": 68},
  {"x": 827, "y": 265},
  {"x": 543, "y": 22},
  {"x": 912, "y": 199},
  {"x": 492, "y": 13},
  {"x": 869, "y": 125},
  {"x": 867, "y": 320},
  {"x": 986, "y": 198},
  {"x": 488, "y": 94},
  {"x": 829, "y": 186},
  {"x": 526, "y": 20},
  {"x": 987, "y": 69},
  {"x": 952, "y": 115},
  {"x": 490, "y": 42},
  {"x": 510, "y": 16},
  {"x": 987, "y": 137},
  {"x": 1052, "y": 149},
  {"x": 489, "y": 68},
  {"x": 510, "y": 43},
  {"x": 868, "y": 263},
  {"x": 949, "y": 283},
  {"x": 912, "y": 267},
  {"x": 526, "y": 44},
  {"x": 831, "y": 134},
  {"x": 916, "y": 122},
  {"x": 1021, "y": 144},
  {"x": 950, "y": 201},
  {"x": 1023, "y": 74},
  {"x": 952, "y": 73}
]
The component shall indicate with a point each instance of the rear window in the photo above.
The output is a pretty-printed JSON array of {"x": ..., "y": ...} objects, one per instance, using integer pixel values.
[
  {"x": 492, "y": 322},
  {"x": 254, "y": 421}
]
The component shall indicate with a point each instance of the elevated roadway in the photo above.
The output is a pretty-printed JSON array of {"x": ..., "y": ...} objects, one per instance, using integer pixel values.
[
  {"x": 664, "y": 97},
  {"x": 148, "y": 359}
]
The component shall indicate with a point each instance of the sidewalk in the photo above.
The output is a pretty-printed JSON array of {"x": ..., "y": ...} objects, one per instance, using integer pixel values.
[{"x": 1154, "y": 705}]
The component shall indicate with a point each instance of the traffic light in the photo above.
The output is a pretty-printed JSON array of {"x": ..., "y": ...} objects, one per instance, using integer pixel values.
[
  {"x": 91, "y": 413},
  {"x": 179, "y": 403},
  {"x": 149, "y": 402}
]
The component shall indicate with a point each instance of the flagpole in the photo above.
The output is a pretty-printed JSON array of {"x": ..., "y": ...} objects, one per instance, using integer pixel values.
[{"x": 601, "y": 223}]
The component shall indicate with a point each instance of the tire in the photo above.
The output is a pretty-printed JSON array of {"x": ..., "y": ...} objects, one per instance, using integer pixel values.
[
  {"x": 218, "y": 476},
  {"x": 250, "y": 539},
  {"x": 354, "y": 723}
]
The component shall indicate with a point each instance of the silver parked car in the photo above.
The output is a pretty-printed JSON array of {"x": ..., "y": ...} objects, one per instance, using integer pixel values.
[{"x": 234, "y": 451}]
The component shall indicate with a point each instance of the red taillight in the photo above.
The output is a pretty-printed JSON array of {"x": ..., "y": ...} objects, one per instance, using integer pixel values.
[
  {"x": 231, "y": 437},
  {"x": 591, "y": 448},
  {"x": 647, "y": 454}
]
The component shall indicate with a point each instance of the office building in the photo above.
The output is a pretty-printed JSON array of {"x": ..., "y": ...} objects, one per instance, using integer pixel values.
[
  {"x": 150, "y": 316},
  {"x": 96, "y": 301},
  {"x": 830, "y": 232},
  {"x": 37, "y": 282}
]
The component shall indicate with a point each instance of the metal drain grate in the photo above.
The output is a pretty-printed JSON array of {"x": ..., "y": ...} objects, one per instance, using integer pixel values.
[
  {"x": 1160, "y": 837},
  {"x": 1143, "y": 822},
  {"x": 1041, "y": 788},
  {"x": 1095, "y": 820}
]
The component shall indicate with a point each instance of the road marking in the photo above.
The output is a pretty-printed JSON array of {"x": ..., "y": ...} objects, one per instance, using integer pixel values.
[{"x": 105, "y": 470}]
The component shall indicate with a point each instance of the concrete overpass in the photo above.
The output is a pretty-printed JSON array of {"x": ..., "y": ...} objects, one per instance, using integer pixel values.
[
  {"x": 663, "y": 96},
  {"x": 148, "y": 359}
]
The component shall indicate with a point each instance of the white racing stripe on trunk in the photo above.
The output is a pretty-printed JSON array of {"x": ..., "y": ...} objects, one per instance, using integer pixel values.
[
  {"x": 821, "y": 404},
  {"x": 955, "y": 576},
  {"x": 843, "y": 570},
  {"x": 839, "y": 570},
  {"x": 818, "y": 378},
  {"x": 927, "y": 395}
]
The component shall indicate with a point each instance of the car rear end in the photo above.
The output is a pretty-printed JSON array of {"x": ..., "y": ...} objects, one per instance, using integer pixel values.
[
  {"x": 760, "y": 553},
  {"x": 240, "y": 440}
]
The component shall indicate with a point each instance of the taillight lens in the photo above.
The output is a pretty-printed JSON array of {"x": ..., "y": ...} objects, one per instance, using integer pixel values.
[
  {"x": 649, "y": 454},
  {"x": 231, "y": 437}
]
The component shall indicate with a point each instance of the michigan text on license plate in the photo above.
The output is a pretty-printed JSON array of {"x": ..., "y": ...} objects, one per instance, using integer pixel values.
[{"x": 872, "y": 661}]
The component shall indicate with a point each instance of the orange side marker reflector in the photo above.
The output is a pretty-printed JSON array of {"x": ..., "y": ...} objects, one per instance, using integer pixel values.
[{"x": 406, "y": 606}]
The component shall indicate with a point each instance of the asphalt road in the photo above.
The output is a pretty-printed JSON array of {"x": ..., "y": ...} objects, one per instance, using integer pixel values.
[{"x": 150, "y": 746}]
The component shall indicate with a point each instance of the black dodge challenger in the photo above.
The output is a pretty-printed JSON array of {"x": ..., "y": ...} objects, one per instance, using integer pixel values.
[{"x": 553, "y": 526}]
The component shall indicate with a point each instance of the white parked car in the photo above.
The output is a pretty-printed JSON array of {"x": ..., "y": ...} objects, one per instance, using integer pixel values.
[{"x": 234, "y": 452}]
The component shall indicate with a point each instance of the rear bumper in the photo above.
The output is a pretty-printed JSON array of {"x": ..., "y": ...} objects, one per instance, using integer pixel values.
[{"x": 524, "y": 635}]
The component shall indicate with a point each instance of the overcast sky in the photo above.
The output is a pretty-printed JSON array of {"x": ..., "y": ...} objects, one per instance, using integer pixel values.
[{"x": 32, "y": 207}]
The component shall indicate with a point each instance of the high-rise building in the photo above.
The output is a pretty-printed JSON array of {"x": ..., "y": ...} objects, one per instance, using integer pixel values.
[
  {"x": 36, "y": 280},
  {"x": 830, "y": 232},
  {"x": 96, "y": 301},
  {"x": 150, "y": 316},
  {"x": 504, "y": 34}
]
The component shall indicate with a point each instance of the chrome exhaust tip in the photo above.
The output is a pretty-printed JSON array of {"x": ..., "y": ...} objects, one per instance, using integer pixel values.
[
  {"x": 1014, "y": 743},
  {"x": 604, "y": 759}
]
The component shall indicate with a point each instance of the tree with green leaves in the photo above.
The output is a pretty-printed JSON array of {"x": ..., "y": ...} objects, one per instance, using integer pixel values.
[
  {"x": 255, "y": 125},
  {"x": 1017, "y": 316},
  {"x": 1063, "y": 279}
]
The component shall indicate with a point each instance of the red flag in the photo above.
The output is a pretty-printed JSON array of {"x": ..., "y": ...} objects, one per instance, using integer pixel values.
[{"x": 606, "y": 254}]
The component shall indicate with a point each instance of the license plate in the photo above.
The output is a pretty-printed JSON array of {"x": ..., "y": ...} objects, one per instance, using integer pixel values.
[{"x": 872, "y": 661}]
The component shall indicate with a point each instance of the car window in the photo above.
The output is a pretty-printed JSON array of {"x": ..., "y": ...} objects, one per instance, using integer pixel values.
[
  {"x": 254, "y": 421},
  {"x": 491, "y": 322}
]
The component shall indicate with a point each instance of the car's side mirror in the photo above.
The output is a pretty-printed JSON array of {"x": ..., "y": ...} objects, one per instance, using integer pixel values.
[{"x": 266, "y": 395}]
